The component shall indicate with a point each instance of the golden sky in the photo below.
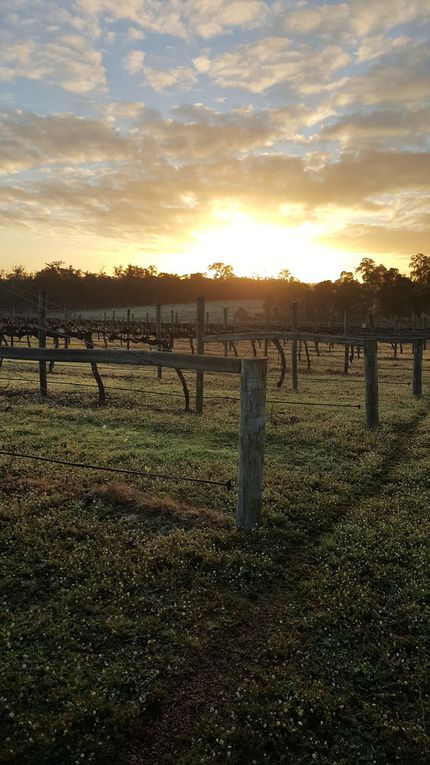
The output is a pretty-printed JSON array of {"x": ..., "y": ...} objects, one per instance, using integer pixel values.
[{"x": 267, "y": 135}]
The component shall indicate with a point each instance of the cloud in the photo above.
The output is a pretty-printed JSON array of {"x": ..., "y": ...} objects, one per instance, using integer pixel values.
[
  {"x": 352, "y": 19},
  {"x": 398, "y": 127},
  {"x": 31, "y": 140},
  {"x": 205, "y": 134},
  {"x": 133, "y": 62},
  {"x": 379, "y": 45},
  {"x": 381, "y": 239},
  {"x": 135, "y": 34},
  {"x": 180, "y": 77},
  {"x": 273, "y": 61},
  {"x": 183, "y": 18},
  {"x": 32, "y": 49}
]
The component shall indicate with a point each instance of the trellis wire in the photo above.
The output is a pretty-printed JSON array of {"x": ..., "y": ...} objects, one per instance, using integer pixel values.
[{"x": 226, "y": 484}]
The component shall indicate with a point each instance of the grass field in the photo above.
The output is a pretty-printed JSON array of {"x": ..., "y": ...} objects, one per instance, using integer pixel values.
[
  {"x": 186, "y": 311},
  {"x": 140, "y": 628}
]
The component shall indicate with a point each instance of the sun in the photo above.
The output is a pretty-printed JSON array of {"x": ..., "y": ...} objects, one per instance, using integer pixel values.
[{"x": 256, "y": 248}]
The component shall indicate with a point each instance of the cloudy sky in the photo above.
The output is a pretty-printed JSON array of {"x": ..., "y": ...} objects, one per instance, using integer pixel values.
[{"x": 267, "y": 134}]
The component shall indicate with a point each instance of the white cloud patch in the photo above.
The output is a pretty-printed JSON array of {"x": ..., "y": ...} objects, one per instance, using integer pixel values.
[
  {"x": 133, "y": 62},
  {"x": 32, "y": 141},
  {"x": 273, "y": 61},
  {"x": 180, "y": 77},
  {"x": 62, "y": 53}
]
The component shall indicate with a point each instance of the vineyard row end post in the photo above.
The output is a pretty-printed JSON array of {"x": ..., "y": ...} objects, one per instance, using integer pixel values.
[
  {"x": 346, "y": 348},
  {"x": 417, "y": 387},
  {"x": 294, "y": 323},
  {"x": 251, "y": 443},
  {"x": 371, "y": 382},
  {"x": 41, "y": 335},
  {"x": 200, "y": 328},
  {"x": 158, "y": 336}
]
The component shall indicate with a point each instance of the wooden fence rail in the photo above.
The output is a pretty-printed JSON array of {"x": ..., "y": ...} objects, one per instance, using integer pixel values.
[
  {"x": 252, "y": 405},
  {"x": 370, "y": 347}
]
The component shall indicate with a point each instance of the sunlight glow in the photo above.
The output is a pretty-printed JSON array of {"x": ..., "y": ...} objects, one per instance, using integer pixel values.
[{"x": 264, "y": 249}]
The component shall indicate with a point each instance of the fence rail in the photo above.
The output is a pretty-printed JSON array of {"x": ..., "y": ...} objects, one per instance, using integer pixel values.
[
  {"x": 252, "y": 405},
  {"x": 140, "y": 358}
]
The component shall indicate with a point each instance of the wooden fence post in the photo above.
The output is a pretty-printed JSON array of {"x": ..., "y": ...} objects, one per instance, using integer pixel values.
[
  {"x": 251, "y": 442},
  {"x": 158, "y": 336},
  {"x": 128, "y": 329},
  {"x": 346, "y": 348},
  {"x": 200, "y": 328},
  {"x": 417, "y": 387},
  {"x": 225, "y": 329},
  {"x": 41, "y": 334},
  {"x": 371, "y": 382},
  {"x": 294, "y": 350},
  {"x": 396, "y": 328},
  {"x": 66, "y": 319}
]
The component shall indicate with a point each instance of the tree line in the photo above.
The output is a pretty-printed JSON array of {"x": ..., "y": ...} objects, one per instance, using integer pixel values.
[{"x": 371, "y": 287}]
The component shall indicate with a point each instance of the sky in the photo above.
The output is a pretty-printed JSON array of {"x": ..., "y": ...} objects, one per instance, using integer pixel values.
[{"x": 266, "y": 134}]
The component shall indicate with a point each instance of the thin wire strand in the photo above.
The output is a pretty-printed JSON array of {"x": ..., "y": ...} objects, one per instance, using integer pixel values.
[{"x": 226, "y": 484}]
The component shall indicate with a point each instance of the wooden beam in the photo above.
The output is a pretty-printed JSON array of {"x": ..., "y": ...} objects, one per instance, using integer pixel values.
[
  {"x": 139, "y": 358},
  {"x": 235, "y": 337},
  {"x": 358, "y": 340}
]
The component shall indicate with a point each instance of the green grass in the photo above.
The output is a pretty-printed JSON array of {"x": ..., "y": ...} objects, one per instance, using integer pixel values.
[{"x": 140, "y": 627}]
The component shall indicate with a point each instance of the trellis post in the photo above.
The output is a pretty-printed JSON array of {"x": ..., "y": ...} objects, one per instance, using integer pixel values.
[
  {"x": 294, "y": 349},
  {"x": 158, "y": 336},
  {"x": 200, "y": 328},
  {"x": 41, "y": 335},
  {"x": 251, "y": 442},
  {"x": 128, "y": 329},
  {"x": 346, "y": 348},
  {"x": 371, "y": 382},
  {"x": 418, "y": 368}
]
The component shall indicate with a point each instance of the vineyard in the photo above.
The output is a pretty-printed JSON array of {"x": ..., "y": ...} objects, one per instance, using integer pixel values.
[{"x": 140, "y": 626}]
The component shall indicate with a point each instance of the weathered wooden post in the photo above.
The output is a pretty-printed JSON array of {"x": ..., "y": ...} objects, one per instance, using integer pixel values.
[
  {"x": 158, "y": 336},
  {"x": 371, "y": 382},
  {"x": 200, "y": 328},
  {"x": 66, "y": 319},
  {"x": 128, "y": 329},
  {"x": 251, "y": 442},
  {"x": 396, "y": 329},
  {"x": 346, "y": 349},
  {"x": 417, "y": 377},
  {"x": 41, "y": 334},
  {"x": 294, "y": 379},
  {"x": 225, "y": 330}
]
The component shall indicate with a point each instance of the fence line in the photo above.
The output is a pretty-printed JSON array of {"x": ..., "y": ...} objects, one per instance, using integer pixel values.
[{"x": 252, "y": 405}]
